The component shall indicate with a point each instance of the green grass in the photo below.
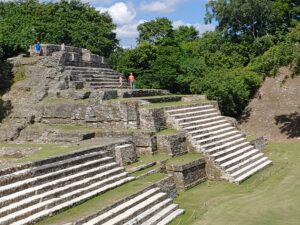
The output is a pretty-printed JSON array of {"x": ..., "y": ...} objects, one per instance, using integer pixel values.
[
  {"x": 270, "y": 197},
  {"x": 45, "y": 151},
  {"x": 171, "y": 104},
  {"x": 145, "y": 159},
  {"x": 184, "y": 159},
  {"x": 96, "y": 204},
  {"x": 144, "y": 171},
  {"x": 167, "y": 132}
]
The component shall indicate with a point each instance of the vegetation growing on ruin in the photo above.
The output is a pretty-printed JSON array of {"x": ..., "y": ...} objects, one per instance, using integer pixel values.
[{"x": 228, "y": 64}]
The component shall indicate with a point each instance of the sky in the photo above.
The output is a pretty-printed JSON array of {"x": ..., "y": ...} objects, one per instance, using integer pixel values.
[{"x": 127, "y": 15}]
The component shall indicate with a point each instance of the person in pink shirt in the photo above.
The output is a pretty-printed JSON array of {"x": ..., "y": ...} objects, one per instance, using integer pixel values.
[{"x": 131, "y": 80}]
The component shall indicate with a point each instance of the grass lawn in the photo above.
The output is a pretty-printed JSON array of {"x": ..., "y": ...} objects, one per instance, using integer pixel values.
[{"x": 271, "y": 197}]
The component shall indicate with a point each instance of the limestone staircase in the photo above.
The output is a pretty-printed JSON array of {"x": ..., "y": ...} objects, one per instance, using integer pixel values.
[
  {"x": 151, "y": 206},
  {"x": 224, "y": 144},
  {"x": 96, "y": 78},
  {"x": 31, "y": 192}
]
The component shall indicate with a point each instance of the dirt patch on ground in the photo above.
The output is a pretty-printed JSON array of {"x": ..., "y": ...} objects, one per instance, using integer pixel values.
[{"x": 275, "y": 111}]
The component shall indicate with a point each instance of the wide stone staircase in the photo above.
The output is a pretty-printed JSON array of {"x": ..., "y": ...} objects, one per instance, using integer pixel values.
[
  {"x": 96, "y": 78},
  {"x": 150, "y": 206},
  {"x": 212, "y": 134},
  {"x": 35, "y": 190}
]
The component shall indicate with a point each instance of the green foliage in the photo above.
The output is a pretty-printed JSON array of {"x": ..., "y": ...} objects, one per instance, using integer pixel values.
[
  {"x": 285, "y": 53},
  {"x": 155, "y": 30},
  {"x": 253, "y": 18},
  {"x": 72, "y": 22},
  {"x": 231, "y": 88}
]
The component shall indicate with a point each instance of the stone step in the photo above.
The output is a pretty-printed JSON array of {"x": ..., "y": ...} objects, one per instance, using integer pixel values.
[
  {"x": 114, "y": 212},
  {"x": 207, "y": 130},
  {"x": 161, "y": 215},
  {"x": 224, "y": 146},
  {"x": 235, "y": 155},
  {"x": 137, "y": 209},
  {"x": 91, "y": 84},
  {"x": 232, "y": 149},
  {"x": 50, "y": 167},
  {"x": 193, "y": 114},
  {"x": 31, "y": 195},
  {"x": 182, "y": 119},
  {"x": 236, "y": 158},
  {"x": 29, "y": 169},
  {"x": 80, "y": 198},
  {"x": 187, "y": 109},
  {"x": 102, "y": 79},
  {"x": 64, "y": 194},
  {"x": 253, "y": 171},
  {"x": 244, "y": 163},
  {"x": 205, "y": 125},
  {"x": 221, "y": 141},
  {"x": 77, "y": 68},
  {"x": 205, "y": 120},
  {"x": 96, "y": 76},
  {"x": 92, "y": 72},
  {"x": 248, "y": 167},
  {"x": 171, "y": 217},
  {"x": 148, "y": 213},
  {"x": 110, "y": 87},
  {"x": 212, "y": 133},
  {"x": 217, "y": 137}
]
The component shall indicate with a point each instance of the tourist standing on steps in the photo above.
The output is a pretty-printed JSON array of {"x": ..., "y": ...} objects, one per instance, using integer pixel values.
[
  {"x": 131, "y": 79},
  {"x": 37, "y": 48},
  {"x": 120, "y": 80},
  {"x": 62, "y": 47}
]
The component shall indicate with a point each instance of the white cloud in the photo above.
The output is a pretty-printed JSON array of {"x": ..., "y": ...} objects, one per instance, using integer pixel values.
[
  {"x": 162, "y": 6},
  {"x": 128, "y": 30},
  {"x": 202, "y": 28},
  {"x": 98, "y": 2},
  {"x": 120, "y": 12}
]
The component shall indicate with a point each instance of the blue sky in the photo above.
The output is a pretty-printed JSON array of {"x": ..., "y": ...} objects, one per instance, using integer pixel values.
[{"x": 129, "y": 14}]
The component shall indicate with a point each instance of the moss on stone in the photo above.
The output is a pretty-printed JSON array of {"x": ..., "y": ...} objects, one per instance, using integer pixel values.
[
  {"x": 184, "y": 159},
  {"x": 167, "y": 132}
]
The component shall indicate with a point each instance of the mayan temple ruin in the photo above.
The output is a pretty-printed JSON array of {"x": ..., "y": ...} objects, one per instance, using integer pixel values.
[{"x": 72, "y": 99}]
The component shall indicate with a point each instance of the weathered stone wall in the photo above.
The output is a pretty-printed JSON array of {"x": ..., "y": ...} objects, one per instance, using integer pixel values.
[
  {"x": 145, "y": 141},
  {"x": 125, "y": 154},
  {"x": 109, "y": 115},
  {"x": 172, "y": 144},
  {"x": 152, "y": 119},
  {"x": 188, "y": 175}
]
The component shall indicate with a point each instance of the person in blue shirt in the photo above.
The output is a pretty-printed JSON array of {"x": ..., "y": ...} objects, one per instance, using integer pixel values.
[{"x": 37, "y": 48}]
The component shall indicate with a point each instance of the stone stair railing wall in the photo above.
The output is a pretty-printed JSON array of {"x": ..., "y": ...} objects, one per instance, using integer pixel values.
[
  {"x": 212, "y": 134},
  {"x": 35, "y": 190},
  {"x": 152, "y": 205}
]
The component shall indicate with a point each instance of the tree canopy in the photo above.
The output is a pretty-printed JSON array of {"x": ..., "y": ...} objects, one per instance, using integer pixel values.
[{"x": 25, "y": 21}]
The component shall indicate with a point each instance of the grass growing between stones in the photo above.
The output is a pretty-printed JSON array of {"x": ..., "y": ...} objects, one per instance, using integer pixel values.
[
  {"x": 42, "y": 150},
  {"x": 96, "y": 204},
  {"x": 184, "y": 159},
  {"x": 168, "y": 132},
  {"x": 145, "y": 159},
  {"x": 172, "y": 104},
  {"x": 270, "y": 197}
]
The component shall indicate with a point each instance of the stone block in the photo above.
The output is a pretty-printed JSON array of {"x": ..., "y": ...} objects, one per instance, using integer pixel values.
[
  {"x": 172, "y": 144},
  {"x": 152, "y": 119},
  {"x": 189, "y": 174},
  {"x": 125, "y": 154}
]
